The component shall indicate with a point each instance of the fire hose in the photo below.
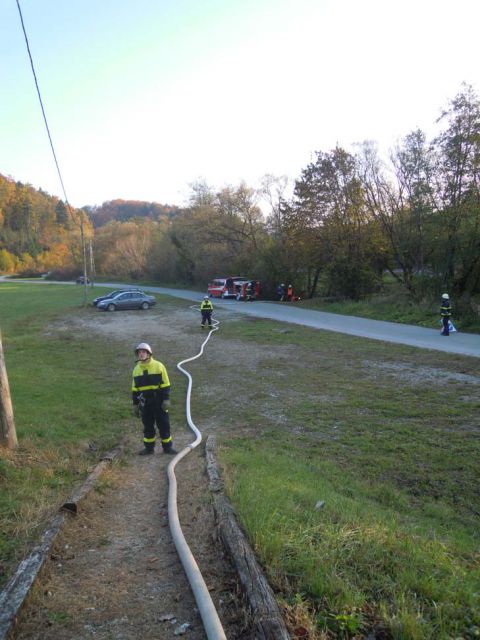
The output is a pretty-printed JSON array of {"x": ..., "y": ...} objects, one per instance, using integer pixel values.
[{"x": 208, "y": 613}]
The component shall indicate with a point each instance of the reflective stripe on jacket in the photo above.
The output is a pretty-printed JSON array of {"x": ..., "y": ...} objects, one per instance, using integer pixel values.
[
  {"x": 206, "y": 305},
  {"x": 149, "y": 377},
  {"x": 446, "y": 309}
]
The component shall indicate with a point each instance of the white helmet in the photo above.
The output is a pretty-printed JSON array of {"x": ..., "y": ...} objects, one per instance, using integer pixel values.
[
  {"x": 145, "y": 347},
  {"x": 205, "y": 297},
  {"x": 445, "y": 296}
]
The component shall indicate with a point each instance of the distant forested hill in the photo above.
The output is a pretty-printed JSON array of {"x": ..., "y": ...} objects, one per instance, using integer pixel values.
[
  {"x": 37, "y": 231},
  {"x": 123, "y": 210}
]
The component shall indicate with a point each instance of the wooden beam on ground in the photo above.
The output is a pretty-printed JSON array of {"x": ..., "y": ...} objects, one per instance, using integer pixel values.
[
  {"x": 16, "y": 591},
  {"x": 72, "y": 503},
  {"x": 13, "y": 597},
  {"x": 267, "y": 618}
]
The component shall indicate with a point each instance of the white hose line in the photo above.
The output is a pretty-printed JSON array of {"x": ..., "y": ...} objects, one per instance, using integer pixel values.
[{"x": 210, "y": 619}]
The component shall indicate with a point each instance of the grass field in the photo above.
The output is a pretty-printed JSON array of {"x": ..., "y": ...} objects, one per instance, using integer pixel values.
[
  {"x": 385, "y": 441},
  {"x": 66, "y": 409},
  {"x": 353, "y": 464}
]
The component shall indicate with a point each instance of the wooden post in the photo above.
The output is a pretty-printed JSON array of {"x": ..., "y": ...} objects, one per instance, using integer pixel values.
[{"x": 8, "y": 435}]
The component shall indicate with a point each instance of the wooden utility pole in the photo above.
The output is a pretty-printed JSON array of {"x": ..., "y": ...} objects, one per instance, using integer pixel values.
[
  {"x": 92, "y": 264},
  {"x": 8, "y": 435}
]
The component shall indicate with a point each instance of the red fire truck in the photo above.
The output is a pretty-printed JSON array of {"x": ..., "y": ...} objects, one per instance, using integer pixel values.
[
  {"x": 248, "y": 291},
  {"x": 224, "y": 287}
]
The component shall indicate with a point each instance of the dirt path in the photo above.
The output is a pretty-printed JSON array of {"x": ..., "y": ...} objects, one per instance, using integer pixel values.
[{"x": 114, "y": 571}]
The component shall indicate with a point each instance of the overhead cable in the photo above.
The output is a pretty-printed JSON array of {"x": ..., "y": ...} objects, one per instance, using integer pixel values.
[{"x": 41, "y": 104}]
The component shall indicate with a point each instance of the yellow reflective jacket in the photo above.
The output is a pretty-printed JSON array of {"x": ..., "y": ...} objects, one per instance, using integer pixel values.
[
  {"x": 206, "y": 305},
  {"x": 149, "y": 377}
]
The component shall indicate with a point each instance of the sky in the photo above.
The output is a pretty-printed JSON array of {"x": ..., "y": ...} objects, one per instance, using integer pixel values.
[{"x": 145, "y": 97}]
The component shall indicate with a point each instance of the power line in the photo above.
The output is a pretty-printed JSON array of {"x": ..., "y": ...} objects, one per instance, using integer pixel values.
[
  {"x": 41, "y": 104},
  {"x": 55, "y": 156}
]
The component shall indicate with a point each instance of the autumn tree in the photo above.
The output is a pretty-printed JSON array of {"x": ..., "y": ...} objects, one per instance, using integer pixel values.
[
  {"x": 123, "y": 248},
  {"x": 458, "y": 184},
  {"x": 220, "y": 232},
  {"x": 401, "y": 202},
  {"x": 331, "y": 223},
  {"x": 282, "y": 257}
]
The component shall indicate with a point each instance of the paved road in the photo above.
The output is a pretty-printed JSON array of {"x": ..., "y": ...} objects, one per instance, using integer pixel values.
[{"x": 462, "y": 343}]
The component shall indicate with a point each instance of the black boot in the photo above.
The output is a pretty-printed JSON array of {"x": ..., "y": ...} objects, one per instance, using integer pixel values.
[
  {"x": 146, "y": 452},
  {"x": 171, "y": 451}
]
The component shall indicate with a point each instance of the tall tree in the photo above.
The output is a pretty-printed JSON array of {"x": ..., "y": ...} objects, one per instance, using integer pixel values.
[
  {"x": 458, "y": 185},
  {"x": 414, "y": 169},
  {"x": 331, "y": 219},
  {"x": 402, "y": 201}
]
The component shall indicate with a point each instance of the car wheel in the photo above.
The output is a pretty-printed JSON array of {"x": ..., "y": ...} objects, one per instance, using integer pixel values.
[
  {"x": 144, "y": 305},
  {"x": 111, "y": 307}
]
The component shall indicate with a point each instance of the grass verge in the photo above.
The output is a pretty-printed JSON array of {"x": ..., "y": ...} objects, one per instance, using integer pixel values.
[
  {"x": 393, "y": 304},
  {"x": 353, "y": 466},
  {"x": 70, "y": 398}
]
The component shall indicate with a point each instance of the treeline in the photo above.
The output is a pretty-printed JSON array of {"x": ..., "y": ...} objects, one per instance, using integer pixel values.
[
  {"x": 123, "y": 210},
  {"x": 351, "y": 218}
]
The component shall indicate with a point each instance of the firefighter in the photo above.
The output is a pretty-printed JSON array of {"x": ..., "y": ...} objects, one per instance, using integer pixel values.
[
  {"x": 151, "y": 399},
  {"x": 250, "y": 292},
  {"x": 281, "y": 291},
  {"x": 206, "y": 309},
  {"x": 445, "y": 313},
  {"x": 290, "y": 293}
]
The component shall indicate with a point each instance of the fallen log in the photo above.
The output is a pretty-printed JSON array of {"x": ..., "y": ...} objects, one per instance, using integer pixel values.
[
  {"x": 17, "y": 589},
  {"x": 13, "y": 596},
  {"x": 266, "y": 616},
  {"x": 72, "y": 503}
]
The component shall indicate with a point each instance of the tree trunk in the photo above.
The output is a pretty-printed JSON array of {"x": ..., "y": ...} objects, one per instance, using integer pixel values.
[
  {"x": 8, "y": 435},
  {"x": 313, "y": 288}
]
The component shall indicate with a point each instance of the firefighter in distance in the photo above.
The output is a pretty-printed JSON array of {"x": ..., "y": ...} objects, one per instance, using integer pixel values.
[
  {"x": 151, "y": 399},
  {"x": 445, "y": 313},
  {"x": 206, "y": 309}
]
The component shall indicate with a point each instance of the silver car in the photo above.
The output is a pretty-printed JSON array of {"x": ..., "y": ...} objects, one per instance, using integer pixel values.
[
  {"x": 111, "y": 294},
  {"x": 127, "y": 300}
]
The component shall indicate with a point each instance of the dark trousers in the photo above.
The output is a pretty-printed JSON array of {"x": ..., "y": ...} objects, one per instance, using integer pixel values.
[
  {"x": 446, "y": 330},
  {"x": 207, "y": 316},
  {"x": 153, "y": 415}
]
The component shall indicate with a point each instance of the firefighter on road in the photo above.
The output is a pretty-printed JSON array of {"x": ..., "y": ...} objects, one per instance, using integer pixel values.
[
  {"x": 151, "y": 399},
  {"x": 445, "y": 313},
  {"x": 206, "y": 309}
]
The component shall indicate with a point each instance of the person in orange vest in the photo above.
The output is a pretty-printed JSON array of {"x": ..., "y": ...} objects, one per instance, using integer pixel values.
[{"x": 290, "y": 293}]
